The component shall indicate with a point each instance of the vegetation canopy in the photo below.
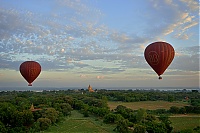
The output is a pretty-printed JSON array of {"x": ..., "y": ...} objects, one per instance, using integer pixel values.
[{"x": 99, "y": 111}]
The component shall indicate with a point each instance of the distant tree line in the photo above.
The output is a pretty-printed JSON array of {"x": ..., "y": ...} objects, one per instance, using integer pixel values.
[{"x": 147, "y": 95}]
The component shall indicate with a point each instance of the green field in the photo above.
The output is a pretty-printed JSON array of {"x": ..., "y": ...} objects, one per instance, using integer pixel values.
[
  {"x": 77, "y": 123},
  {"x": 151, "y": 105},
  {"x": 179, "y": 122},
  {"x": 185, "y": 122}
]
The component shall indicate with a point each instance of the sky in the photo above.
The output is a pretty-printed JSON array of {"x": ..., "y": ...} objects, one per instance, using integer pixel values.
[{"x": 98, "y": 42}]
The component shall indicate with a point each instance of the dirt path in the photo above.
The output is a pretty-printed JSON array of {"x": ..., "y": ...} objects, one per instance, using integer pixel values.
[{"x": 182, "y": 115}]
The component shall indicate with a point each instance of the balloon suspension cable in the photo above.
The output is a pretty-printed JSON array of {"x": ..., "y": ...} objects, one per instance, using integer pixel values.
[
  {"x": 29, "y": 84},
  {"x": 159, "y": 77}
]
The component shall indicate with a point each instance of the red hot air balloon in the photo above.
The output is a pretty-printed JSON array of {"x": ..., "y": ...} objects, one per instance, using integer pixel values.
[
  {"x": 30, "y": 70},
  {"x": 159, "y": 56}
]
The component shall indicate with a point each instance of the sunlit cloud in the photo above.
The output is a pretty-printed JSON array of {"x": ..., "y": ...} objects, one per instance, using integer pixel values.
[{"x": 100, "y": 77}]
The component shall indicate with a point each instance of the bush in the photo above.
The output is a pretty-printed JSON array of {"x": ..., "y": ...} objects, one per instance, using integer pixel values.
[
  {"x": 85, "y": 113},
  {"x": 174, "y": 110},
  {"x": 160, "y": 111}
]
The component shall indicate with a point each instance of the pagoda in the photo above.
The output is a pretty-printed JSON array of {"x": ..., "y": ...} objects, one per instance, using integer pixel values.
[
  {"x": 90, "y": 89},
  {"x": 32, "y": 109}
]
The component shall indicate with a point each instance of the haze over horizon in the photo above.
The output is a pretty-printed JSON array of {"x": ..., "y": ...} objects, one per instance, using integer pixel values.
[{"x": 98, "y": 42}]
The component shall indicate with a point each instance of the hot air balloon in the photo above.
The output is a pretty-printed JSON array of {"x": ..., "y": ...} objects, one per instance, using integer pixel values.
[
  {"x": 30, "y": 70},
  {"x": 159, "y": 56}
]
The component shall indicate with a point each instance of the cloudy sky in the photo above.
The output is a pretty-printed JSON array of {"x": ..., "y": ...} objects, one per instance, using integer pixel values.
[{"x": 98, "y": 42}]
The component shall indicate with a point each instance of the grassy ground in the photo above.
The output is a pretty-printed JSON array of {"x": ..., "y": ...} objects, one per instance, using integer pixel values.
[
  {"x": 151, "y": 105},
  {"x": 79, "y": 124},
  {"x": 180, "y": 122}
]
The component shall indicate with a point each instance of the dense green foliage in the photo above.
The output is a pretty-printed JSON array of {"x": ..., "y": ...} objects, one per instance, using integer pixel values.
[{"x": 53, "y": 106}]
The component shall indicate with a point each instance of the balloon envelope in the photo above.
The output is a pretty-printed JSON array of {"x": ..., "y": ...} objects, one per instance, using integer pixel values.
[
  {"x": 159, "y": 56},
  {"x": 30, "y": 70}
]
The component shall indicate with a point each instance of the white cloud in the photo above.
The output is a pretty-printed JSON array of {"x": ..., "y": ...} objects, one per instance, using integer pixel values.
[
  {"x": 187, "y": 63},
  {"x": 187, "y": 59},
  {"x": 178, "y": 17},
  {"x": 83, "y": 76},
  {"x": 64, "y": 42}
]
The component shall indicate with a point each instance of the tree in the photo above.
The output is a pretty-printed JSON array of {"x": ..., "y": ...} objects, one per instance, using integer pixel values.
[
  {"x": 27, "y": 117},
  {"x": 195, "y": 102},
  {"x": 139, "y": 129},
  {"x": 141, "y": 115},
  {"x": 85, "y": 110},
  {"x": 182, "y": 110},
  {"x": 22, "y": 103},
  {"x": 122, "y": 126},
  {"x": 170, "y": 98},
  {"x": 123, "y": 110},
  {"x": 120, "y": 108},
  {"x": 2, "y": 128},
  {"x": 37, "y": 114},
  {"x": 132, "y": 117},
  {"x": 12, "y": 119},
  {"x": 150, "y": 117},
  {"x": 160, "y": 111},
  {"x": 51, "y": 114},
  {"x": 174, "y": 110},
  {"x": 65, "y": 108},
  {"x": 44, "y": 123},
  {"x": 78, "y": 104},
  {"x": 112, "y": 118},
  {"x": 68, "y": 99},
  {"x": 155, "y": 127},
  {"x": 8, "y": 114},
  {"x": 189, "y": 109},
  {"x": 197, "y": 109},
  {"x": 102, "y": 112},
  {"x": 167, "y": 122}
]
